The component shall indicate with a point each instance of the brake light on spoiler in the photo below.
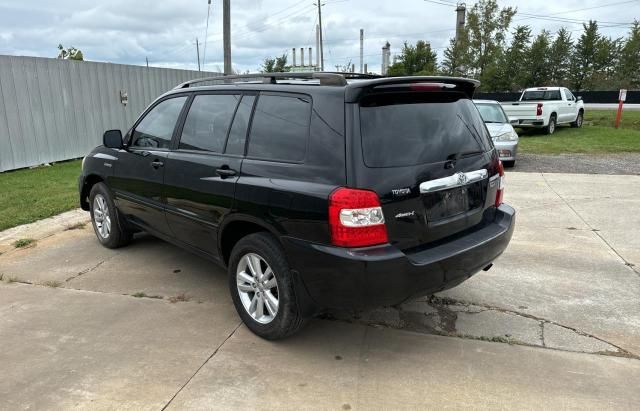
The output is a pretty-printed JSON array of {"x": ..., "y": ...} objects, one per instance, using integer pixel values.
[{"x": 417, "y": 86}]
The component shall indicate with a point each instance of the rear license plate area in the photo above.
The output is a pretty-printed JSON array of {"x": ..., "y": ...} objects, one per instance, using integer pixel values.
[{"x": 445, "y": 204}]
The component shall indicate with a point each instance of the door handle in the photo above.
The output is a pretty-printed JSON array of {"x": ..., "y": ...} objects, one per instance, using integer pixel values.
[
  {"x": 157, "y": 164},
  {"x": 225, "y": 172}
]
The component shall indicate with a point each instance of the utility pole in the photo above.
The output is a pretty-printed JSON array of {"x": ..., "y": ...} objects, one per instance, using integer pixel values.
[
  {"x": 319, "y": 4},
  {"x": 318, "y": 46},
  {"x": 147, "y": 58},
  {"x": 361, "y": 50},
  {"x": 198, "y": 52},
  {"x": 226, "y": 35}
]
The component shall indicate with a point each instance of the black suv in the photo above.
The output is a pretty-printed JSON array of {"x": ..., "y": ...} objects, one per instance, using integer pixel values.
[{"x": 316, "y": 191}]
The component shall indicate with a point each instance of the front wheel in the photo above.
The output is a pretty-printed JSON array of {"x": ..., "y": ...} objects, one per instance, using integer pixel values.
[
  {"x": 105, "y": 218},
  {"x": 262, "y": 287},
  {"x": 551, "y": 127},
  {"x": 579, "y": 121}
]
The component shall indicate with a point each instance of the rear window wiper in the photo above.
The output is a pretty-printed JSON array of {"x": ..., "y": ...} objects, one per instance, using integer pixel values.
[{"x": 464, "y": 154}]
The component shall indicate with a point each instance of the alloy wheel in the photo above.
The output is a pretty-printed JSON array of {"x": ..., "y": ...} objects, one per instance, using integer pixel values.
[
  {"x": 257, "y": 288},
  {"x": 101, "y": 216}
]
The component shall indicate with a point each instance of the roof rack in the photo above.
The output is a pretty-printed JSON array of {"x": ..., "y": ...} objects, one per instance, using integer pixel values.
[{"x": 325, "y": 78}]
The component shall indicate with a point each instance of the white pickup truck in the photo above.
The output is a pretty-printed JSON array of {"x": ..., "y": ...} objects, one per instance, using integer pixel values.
[{"x": 545, "y": 107}]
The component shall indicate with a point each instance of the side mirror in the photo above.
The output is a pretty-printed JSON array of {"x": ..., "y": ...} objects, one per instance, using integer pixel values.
[
  {"x": 112, "y": 139},
  {"x": 579, "y": 98},
  {"x": 513, "y": 121}
]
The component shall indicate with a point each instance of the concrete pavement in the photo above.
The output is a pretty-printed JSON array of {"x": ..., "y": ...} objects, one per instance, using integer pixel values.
[{"x": 149, "y": 325}]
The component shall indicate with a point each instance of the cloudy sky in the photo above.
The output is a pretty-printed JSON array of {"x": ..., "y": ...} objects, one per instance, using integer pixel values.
[{"x": 164, "y": 31}]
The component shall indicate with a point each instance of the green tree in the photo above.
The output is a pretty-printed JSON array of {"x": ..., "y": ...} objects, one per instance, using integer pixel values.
[
  {"x": 487, "y": 24},
  {"x": 512, "y": 70},
  {"x": 584, "y": 56},
  {"x": 538, "y": 69},
  {"x": 456, "y": 57},
  {"x": 418, "y": 60},
  {"x": 70, "y": 53},
  {"x": 629, "y": 66},
  {"x": 275, "y": 65},
  {"x": 560, "y": 58},
  {"x": 607, "y": 60}
]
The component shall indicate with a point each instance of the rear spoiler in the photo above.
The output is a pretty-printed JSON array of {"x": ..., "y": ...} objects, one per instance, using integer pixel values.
[{"x": 356, "y": 90}]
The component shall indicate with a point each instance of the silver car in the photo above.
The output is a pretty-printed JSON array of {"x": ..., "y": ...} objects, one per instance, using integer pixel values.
[{"x": 504, "y": 136}]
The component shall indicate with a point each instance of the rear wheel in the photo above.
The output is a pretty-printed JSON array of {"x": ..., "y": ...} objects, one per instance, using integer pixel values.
[
  {"x": 105, "y": 218},
  {"x": 262, "y": 287},
  {"x": 551, "y": 127},
  {"x": 579, "y": 120}
]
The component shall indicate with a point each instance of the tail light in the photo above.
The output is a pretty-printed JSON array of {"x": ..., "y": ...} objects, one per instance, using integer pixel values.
[
  {"x": 539, "y": 109},
  {"x": 356, "y": 218},
  {"x": 500, "y": 192}
]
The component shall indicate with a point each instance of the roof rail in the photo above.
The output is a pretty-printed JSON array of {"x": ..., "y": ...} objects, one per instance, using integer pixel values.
[{"x": 325, "y": 78}]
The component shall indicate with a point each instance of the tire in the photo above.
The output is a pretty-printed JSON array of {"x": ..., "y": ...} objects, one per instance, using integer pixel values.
[
  {"x": 579, "y": 120},
  {"x": 264, "y": 251},
  {"x": 551, "y": 127},
  {"x": 105, "y": 219},
  {"x": 509, "y": 164}
]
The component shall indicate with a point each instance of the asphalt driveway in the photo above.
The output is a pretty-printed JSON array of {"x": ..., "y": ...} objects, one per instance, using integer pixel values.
[{"x": 554, "y": 324}]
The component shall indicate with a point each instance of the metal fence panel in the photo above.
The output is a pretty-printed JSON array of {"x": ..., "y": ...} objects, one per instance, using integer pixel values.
[{"x": 54, "y": 110}]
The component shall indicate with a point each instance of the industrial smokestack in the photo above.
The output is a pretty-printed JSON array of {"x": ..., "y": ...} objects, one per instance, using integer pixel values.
[
  {"x": 302, "y": 56},
  {"x": 294, "y": 56},
  {"x": 461, "y": 12},
  {"x": 386, "y": 55},
  {"x": 310, "y": 59}
]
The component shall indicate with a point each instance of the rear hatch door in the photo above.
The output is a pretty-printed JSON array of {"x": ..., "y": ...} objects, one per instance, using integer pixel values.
[{"x": 430, "y": 159}]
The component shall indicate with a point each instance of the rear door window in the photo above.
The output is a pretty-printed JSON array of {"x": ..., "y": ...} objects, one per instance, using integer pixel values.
[
  {"x": 208, "y": 122},
  {"x": 280, "y": 128},
  {"x": 404, "y": 129}
]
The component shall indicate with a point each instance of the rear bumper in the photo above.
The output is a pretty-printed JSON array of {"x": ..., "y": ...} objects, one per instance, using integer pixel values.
[
  {"x": 335, "y": 277},
  {"x": 530, "y": 123}
]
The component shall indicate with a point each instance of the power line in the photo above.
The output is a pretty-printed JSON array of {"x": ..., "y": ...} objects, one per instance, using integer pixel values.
[
  {"x": 217, "y": 36},
  {"x": 206, "y": 33}
]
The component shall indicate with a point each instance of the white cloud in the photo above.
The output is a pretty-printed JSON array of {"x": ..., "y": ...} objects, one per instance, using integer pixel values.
[{"x": 122, "y": 31}]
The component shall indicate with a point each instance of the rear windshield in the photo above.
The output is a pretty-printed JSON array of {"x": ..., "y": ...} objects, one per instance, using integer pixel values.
[
  {"x": 404, "y": 129},
  {"x": 534, "y": 95},
  {"x": 492, "y": 113}
]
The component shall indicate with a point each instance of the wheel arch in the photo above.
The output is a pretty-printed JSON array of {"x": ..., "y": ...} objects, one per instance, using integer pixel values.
[
  {"x": 236, "y": 227},
  {"x": 89, "y": 182}
]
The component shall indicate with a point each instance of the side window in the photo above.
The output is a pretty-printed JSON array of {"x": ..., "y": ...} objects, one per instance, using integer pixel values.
[
  {"x": 208, "y": 121},
  {"x": 569, "y": 94},
  {"x": 156, "y": 128},
  {"x": 280, "y": 128},
  {"x": 238, "y": 133}
]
